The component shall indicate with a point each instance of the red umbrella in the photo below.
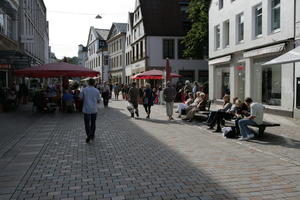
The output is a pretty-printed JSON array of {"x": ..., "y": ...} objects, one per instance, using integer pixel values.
[
  {"x": 60, "y": 69},
  {"x": 153, "y": 74}
]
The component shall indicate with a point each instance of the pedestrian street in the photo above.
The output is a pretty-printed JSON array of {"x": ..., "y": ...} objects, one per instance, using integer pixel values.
[{"x": 142, "y": 159}]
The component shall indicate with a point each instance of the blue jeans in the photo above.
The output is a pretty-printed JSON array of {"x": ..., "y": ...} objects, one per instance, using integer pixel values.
[
  {"x": 244, "y": 129},
  {"x": 90, "y": 124}
]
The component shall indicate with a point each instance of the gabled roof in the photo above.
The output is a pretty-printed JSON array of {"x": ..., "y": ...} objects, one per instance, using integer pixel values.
[
  {"x": 121, "y": 27},
  {"x": 163, "y": 17},
  {"x": 102, "y": 33},
  {"x": 117, "y": 28}
]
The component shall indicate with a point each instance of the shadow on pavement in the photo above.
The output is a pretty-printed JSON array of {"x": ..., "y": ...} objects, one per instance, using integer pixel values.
[{"x": 124, "y": 162}]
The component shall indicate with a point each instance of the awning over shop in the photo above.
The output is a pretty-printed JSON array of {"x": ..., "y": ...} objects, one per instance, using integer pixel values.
[
  {"x": 221, "y": 60},
  {"x": 266, "y": 50},
  {"x": 289, "y": 57}
]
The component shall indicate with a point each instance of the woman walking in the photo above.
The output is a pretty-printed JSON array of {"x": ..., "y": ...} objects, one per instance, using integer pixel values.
[
  {"x": 105, "y": 94},
  {"x": 148, "y": 99}
]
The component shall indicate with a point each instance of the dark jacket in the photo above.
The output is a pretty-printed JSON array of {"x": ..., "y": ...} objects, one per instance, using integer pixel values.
[{"x": 169, "y": 94}]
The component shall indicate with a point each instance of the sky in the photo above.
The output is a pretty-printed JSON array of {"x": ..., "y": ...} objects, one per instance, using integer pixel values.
[{"x": 70, "y": 21}]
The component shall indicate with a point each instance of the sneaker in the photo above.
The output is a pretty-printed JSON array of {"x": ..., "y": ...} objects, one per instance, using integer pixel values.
[
  {"x": 243, "y": 139},
  {"x": 250, "y": 136}
]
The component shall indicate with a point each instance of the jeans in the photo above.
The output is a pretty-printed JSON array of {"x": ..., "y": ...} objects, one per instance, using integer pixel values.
[
  {"x": 90, "y": 124},
  {"x": 243, "y": 125},
  {"x": 169, "y": 108},
  {"x": 147, "y": 109}
]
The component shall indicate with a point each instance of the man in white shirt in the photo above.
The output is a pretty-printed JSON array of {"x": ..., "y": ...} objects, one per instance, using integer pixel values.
[
  {"x": 255, "y": 118},
  {"x": 91, "y": 97}
]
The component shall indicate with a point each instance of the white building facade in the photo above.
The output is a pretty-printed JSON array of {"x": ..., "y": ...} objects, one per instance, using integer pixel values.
[
  {"x": 243, "y": 36},
  {"x": 158, "y": 37},
  {"x": 97, "y": 52},
  {"x": 116, "y": 47}
]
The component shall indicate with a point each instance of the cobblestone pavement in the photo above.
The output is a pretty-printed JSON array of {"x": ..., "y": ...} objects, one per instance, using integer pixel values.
[{"x": 147, "y": 159}]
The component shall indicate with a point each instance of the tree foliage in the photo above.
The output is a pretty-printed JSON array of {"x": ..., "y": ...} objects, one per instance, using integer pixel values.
[{"x": 196, "y": 40}]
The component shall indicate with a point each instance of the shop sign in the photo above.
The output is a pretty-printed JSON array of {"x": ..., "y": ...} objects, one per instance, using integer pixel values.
[
  {"x": 240, "y": 67},
  {"x": 4, "y": 66}
]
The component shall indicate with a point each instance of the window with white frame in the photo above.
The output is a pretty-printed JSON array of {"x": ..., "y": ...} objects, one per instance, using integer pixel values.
[
  {"x": 258, "y": 20},
  {"x": 221, "y": 4},
  {"x": 240, "y": 27},
  {"x": 226, "y": 33},
  {"x": 275, "y": 15},
  {"x": 217, "y": 37}
]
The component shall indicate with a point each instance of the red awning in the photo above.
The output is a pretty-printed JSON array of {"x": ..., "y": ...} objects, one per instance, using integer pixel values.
[
  {"x": 60, "y": 69},
  {"x": 153, "y": 74}
]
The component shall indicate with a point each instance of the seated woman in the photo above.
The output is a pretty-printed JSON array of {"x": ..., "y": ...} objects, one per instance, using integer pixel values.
[
  {"x": 187, "y": 103},
  {"x": 198, "y": 105},
  {"x": 242, "y": 110},
  {"x": 227, "y": 112}
]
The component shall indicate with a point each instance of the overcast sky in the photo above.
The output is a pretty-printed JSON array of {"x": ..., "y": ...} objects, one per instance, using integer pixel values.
[{"x": 70, "y": 21}]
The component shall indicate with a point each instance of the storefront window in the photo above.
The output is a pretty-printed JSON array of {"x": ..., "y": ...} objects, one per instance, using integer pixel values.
[
  {"x": 225, "y": 83},
  {"x": 271, "y": 85},
  {"x": 241, "y": 81},
  {"x": 1, "y": 22}
]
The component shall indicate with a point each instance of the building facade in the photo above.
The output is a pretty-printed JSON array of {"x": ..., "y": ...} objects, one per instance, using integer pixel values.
[
  {"x": 97, "y": 52},
  {"x": 116, "y": 47},
  {"x": 297, "y": 65},
  {"x": 157, "y": 35},
  {"x": 24, "y": 39},
  {"x": 243, "y": 36},
  {"x": 82, "y": 55}
]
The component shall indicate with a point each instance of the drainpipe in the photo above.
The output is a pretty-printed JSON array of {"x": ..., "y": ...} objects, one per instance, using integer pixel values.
[{"x": 294, "y": 63}]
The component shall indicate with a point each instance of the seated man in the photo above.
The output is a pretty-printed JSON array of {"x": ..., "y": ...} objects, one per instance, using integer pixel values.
[
  {"x": 255, "y": 118},
  {"x": 200, "y": 105},
  {"x": 68, "y": 101},
  {"x": 217, "y": 116},
  {"x": 187, "y": 103}
]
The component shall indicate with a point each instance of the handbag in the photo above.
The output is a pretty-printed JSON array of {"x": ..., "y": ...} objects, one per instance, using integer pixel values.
[
  {"x": 146, "y": 101},
  {"x": 130, "y": 107}
]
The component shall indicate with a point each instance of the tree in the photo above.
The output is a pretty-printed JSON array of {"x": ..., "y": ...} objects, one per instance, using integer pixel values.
[
  {"x": 196, "y": 40},
  {"x": 74, "y": 60}
]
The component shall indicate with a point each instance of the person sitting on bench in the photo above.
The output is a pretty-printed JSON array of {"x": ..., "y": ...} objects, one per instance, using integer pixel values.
[
  {"x": 228, "y": 112},
  {"x": 183, "y": 106},
  {"x": 198, "y": 105},
  {"x": 255, "y": 118},
  {"x": 212, "y": 118}
]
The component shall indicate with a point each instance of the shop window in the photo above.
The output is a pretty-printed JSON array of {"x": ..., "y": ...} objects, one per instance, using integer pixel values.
[
  {"x": 271, "y": 85},
  {"x": 225, "y": 83},
  {"x": 187, "y": 75},
  {"x": 1, "y": 22}
]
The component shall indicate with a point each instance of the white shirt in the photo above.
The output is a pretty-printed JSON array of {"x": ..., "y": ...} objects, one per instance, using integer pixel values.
[
  {"x": 257, "y": 110},
  {"x": 90, "y": 96}
]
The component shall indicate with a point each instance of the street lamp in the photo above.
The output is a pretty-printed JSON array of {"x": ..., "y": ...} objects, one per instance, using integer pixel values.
[{"x": 98, "y": 17}]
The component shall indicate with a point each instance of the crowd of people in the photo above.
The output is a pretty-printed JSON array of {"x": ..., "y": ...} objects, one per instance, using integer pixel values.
[{"x": 191, "y": 98}]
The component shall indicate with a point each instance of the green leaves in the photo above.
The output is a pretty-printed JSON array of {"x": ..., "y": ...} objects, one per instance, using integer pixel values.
[{"x": 196, "y": 40}]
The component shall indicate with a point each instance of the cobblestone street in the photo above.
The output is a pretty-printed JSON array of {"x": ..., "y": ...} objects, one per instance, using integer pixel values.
[{"x": 144, "y": 159}]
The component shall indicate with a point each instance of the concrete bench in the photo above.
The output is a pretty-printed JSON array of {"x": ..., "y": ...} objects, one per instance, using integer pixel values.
[{"x": 261, "y": 128}]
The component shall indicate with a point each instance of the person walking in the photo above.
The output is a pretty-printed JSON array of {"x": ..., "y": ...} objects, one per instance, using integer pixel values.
[
  {"x": 105, "y": 94},
  {"x": 133, "y": 95},
  {"x": 91, "y": 97},
  {"x": 169, "y": 96},
  {"x": 148, "y": 99}
]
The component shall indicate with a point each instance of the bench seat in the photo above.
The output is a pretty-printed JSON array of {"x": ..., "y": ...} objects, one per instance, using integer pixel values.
[{"x": 262, "y": 127}]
